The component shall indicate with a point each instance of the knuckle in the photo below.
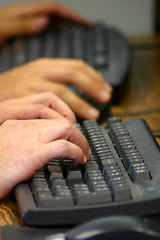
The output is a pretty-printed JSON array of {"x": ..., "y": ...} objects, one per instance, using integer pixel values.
[
  {"x": 66, "y": 125},
  {"x": 41, "y": 61},
  {"x": 81, "y": 64}
]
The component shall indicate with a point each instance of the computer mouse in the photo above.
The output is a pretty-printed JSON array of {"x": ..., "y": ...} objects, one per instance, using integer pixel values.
[
  {"x": 106, "y": 228},
  {"x": 116, "y": 228},
  {"x": 104, "y": 108}
]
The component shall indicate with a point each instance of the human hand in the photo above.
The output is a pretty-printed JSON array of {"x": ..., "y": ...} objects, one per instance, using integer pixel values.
[
  {"x": 53, "y": 75},
  {"x": 44, "y": 105},
  {"x": 31, "y": 18},
  {"x": 27, "y": 145}
]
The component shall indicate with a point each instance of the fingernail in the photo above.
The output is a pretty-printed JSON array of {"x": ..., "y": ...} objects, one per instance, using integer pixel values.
[
  {"x": 41, "y": 22},
  {"x": 89, "y": 152},
  {"x": 93, "y": 113},
  {"x": 104, "y": 95},
  {"x": 85, "y": 159}
]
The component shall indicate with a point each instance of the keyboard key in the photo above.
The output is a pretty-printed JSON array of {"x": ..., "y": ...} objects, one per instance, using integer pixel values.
[
  {"x": 121, "y": 192},
  {"x": 139, "y": 174},
  {"x": 84, "y": 197},
  {"x": 34, "y": 44},
  {"x": 19, "y": 48}
]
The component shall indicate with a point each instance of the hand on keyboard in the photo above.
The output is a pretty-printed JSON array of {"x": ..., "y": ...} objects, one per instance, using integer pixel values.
[
  {"x": 30, "y": 18},
  {"x": 42, "y": 105},
  {"x": 120, "y": 177},
  {"x": 54, "y": 75},
  {"x": 23, "y": 141},
  {"x": 27, "y": 145}
]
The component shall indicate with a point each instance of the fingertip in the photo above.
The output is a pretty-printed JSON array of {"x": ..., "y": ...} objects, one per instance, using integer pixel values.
[
  {"x": 104, "y": 96},
  {"x": 93, "y": 113},
  {"x": 85, "y": 159},
  {"x": 41, "y": 23},
  {"x": 108, "y": 87},
  {"x": 82, "y": 161}
]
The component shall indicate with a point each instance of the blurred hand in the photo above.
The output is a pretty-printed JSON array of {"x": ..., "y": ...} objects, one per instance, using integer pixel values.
[
  {"x": 53, "y": 75},
  {"x": 31, "y": 18},
  {"x": 44, "y": 105},
  {"x": 27, "y": 145}
]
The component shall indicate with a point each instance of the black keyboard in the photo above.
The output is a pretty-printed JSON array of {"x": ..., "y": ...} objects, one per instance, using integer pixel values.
[
  {"x": 122, "y": 177},
  {"x": 105, "y": 48}
]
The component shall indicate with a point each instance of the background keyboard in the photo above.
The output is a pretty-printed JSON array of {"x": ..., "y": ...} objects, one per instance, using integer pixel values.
[
  {"x": 104, "y": 48},
  {"x": 121, "y": 177}
]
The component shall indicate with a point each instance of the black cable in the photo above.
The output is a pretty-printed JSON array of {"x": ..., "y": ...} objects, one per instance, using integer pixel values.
[{"x": 156, "y": 133}]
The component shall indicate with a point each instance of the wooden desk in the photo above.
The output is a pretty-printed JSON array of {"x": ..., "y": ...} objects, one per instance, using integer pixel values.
[{"x": 143, "y": 93}]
